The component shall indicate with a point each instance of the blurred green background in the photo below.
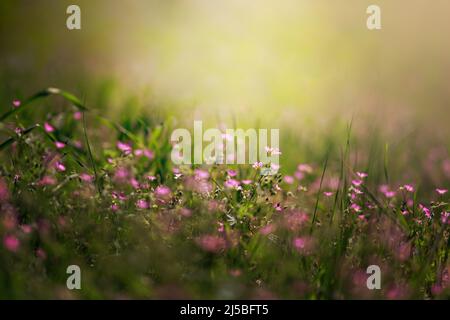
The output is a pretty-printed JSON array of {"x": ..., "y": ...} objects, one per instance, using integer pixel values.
[{"x": 306, "y": 67}]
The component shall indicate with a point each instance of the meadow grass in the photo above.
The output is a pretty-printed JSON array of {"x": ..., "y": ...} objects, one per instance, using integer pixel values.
[{"x": 79, "y": 188}]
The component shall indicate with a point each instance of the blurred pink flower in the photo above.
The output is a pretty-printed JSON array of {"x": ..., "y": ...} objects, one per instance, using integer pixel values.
[
  {"x": 124, "y": 147},
  {"x": 48, "y": 127},
  {"x": 441, "y": 191},
  {"x": 60, "y": 166},
  {"x": 289, "y": 179},
  {"x": 77, "y": 115},
  {"x": 142, "y": 204},
  {"x": 362, "y": 175},
  {"x": 267, "y": 229},
  {"x": 200, "y": 174},
  {"x": 303, "y": 167},
  {"x": 246, "y": 181},
  {"x": 257, "y": 165},
  {"x": 231, "y": 173},
  {"x": 408, "y": 188},
  {"x": 163, "y": 193},
  {"x": 86, "y": 177},
  {"x": 16, "y": 103},
  {"x": 59, "y": 144},
  {"x": 47, "y": 181},
  {"x": 357, "y": 182},
  {"x": 211, "y": 243},
  {"x": 328, "y": 193},
  {"x": 11, "y": 243},
  {"x": 231, "y": 184},
  {"x": 303, "y": 244}
]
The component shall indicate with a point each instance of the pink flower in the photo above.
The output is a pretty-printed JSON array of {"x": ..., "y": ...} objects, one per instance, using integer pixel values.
[
  {"x": 289, "y": 179},
  {"x": 11, "y": 243},
  {"x": 357, "y": 183},
  {"x": 247, "y": 182},
  {"x": 408, "y": 188},
  {"x": 231, "y": 173},
  {"x": 60, "y": 166},
  {"x": 114, "y": 207},
  {"x": 355, "y": 207},
  {"x": 257, "y": 165},
  {"x": 121, "y": 175},
  {"x": 231, "y": 184},
  {"x": 48, "y": 127},
  {"x": 328, "y": 193},
  {"x": 441, "y": 191},
  {"x": 77, "y": 115},
  {"x": 86, "y": 177},
  {"x": 221, "y": 227},
  {"x": 151, "y": 178},
  {"x": 142, "y": 204},
  {"x": 445, "y": 217},
  {"x": 124, "y": 147},
  {"x": 47, "y": 181},
  {"x": 426, "y": 211},
  {"x": 303, "y": 244},
  {"x": 59, "y": 144},
  {"x": 16, "y": 103},
  {"x": 303, "y": 167},
  {"x": 201, "y": 174},
  {"x": 185, "y": 212},
  {"x": 211, "y": 243},
  {"x": 270, "y": 228},
  {"x": 163, "y": 193},
  {"x": 26, "y": 228},
  {"x": 362, "y": 175},
  {"x": 134, "y": 183}
]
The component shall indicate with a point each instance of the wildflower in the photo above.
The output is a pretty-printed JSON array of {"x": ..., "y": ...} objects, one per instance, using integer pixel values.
[
  {"x": 270, "y": 228},
  {"x": 231, "y": 184},
  {"x": 299, "y": 175},
  {"x": 425, "y": 210},
  {"x": 59, "y": 144},
  {"x": 163, "y": 193},
  {"x": 289, "y": 179},
  {"x": 355, "y": 207},
  {"x": 151, "y": 178},
  {"x": 77, "y": 115},
  {"x": 86, "y": 177},
  {"x": 246, "y": 181},
  {"x": 306, "y": 168},
  {"x": 185, "y": 212},
  {"x": 60, "y": 166},
  {"x": 201, "y": 174},
  {"x": 221, "y": 227},
  {"x": 357, "y": 182},
  {"x": 16, "y": 103},
  {"x": 231, "y": 173},
  {"x": 441, "y": 191},
  {"x": 445, "y": 217},
  {"x": 142, "y": 204},
  {"x": 48, "y": 127},
  {"x": 211, "y": 243},
  {"x": 134, "y": 183},
  {"x": 11, "y": 243},
  {"x": 303, "y": 244},
  {"x": 328, "y": 194},
  {"x": 408, "y": 188},
  {"x": 124, "y": 147},
  {"x": 257, "y": 165},
  {"x": 121, "y": 175},
  {"x": 278, "y": 207},
  {"x": 114, "y": 207},
  {"x": 26, "y": 228},
  {"x": 362, "y": 175},
  {"x": 47, "y": 181}
]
